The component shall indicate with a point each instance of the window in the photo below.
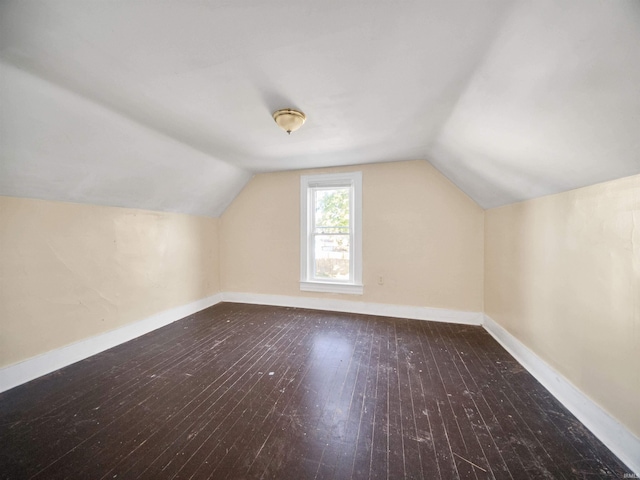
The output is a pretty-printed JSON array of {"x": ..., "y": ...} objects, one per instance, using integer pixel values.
[{"x": 331, "y": 233}]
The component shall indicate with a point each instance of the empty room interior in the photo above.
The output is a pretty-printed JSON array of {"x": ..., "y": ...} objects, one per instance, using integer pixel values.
[{"x": 319, "y": 240}]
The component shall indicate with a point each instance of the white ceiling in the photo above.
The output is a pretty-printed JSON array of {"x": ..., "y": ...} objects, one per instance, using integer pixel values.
[{"x": 167, "y": 105}]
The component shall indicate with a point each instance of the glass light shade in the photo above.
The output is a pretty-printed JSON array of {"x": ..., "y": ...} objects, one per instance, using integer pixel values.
[{"x": 289, "y": 120}]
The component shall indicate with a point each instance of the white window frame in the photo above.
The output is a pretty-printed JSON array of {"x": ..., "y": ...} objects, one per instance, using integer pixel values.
[{"x": 353, "y": 180}]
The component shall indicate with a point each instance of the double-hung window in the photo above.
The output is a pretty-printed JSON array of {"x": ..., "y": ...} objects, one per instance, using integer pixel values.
[{"x": 331, "y": 233}]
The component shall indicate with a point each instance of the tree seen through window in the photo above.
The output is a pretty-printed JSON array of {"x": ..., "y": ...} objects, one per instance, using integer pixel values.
[{"x": 331, "y": 233}]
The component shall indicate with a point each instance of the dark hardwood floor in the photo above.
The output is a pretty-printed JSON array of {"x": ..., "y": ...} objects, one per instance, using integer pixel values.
[{"x": 245, "y": 391}]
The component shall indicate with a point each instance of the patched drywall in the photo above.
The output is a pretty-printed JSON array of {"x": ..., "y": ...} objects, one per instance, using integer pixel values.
[
  {"x": 69, "y": 272},
  {"x": 420, "y": 233},
  {"x": 562, "y": 274}
]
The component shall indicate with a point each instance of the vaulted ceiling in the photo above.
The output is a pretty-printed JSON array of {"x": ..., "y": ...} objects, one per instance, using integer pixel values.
[{"x": 167, "y": 105}]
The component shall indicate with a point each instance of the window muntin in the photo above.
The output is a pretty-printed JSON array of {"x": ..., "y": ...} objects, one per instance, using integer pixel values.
[{"x": 331, "y": 232}]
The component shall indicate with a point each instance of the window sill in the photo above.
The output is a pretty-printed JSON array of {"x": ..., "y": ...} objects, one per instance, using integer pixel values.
[{"x": 326, "y": 287}]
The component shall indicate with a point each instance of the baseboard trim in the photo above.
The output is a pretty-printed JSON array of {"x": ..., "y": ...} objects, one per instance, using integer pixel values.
[
  {"x": 350, "y": 306},
  {"x": 617, "y": 438},
  {"x": 19, "y": 373}
]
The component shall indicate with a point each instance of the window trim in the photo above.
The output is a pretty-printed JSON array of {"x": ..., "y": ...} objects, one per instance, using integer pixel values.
[{"x": 307, "y": 183}]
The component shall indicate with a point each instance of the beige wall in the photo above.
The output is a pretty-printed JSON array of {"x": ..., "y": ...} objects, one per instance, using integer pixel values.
[
  {"x": 562, "y": 274},
  {"x": 68, "y": 272},
  {"x": 419, "y": 231}
]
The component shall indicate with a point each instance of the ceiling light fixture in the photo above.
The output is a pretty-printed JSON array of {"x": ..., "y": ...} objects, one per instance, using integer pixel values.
[{"x": 289, "y": 120}]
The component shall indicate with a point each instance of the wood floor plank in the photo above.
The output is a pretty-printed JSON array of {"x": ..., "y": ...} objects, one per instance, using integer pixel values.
[
  {"x": 379, "y": 462},
  {"x": 447, "y": 409},
  {"x": 429, "y": 395},
  {"x": 480, "y": 447},
  {"x": 419, "y": 415},
  {"x": 499, "y": 441},
  {"x": 248, "y": 391}
]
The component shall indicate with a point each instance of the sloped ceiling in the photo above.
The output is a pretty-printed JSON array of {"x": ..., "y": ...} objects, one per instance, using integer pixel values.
[{"x": 167, "y": 105}]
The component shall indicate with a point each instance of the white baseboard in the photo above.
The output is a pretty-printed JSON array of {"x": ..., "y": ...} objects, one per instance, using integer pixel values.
[
  {"x": 19, "y": 373},
  {"x": 624, "y": 444},
  {"x": 350, "y": 306}
]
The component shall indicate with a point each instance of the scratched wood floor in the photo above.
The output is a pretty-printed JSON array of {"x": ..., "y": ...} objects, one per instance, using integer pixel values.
[{"x": 245, "y": 391}]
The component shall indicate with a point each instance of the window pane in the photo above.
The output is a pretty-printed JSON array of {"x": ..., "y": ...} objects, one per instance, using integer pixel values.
[
  {"x": 331, "y": 234},
  {"x": 331, "y": 210},
  {"x": 331, "y": 257}
]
